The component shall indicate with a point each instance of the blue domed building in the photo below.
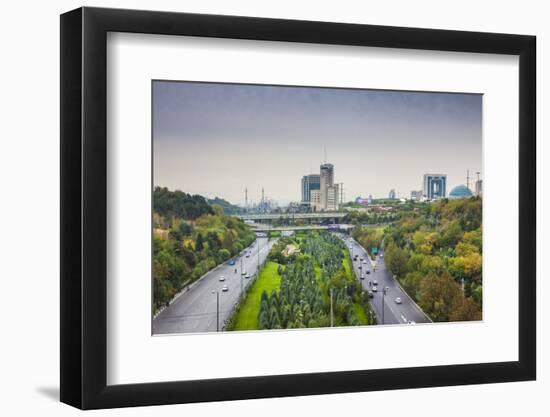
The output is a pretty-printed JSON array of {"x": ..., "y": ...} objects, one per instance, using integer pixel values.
[{"x": 460, "y": 191}]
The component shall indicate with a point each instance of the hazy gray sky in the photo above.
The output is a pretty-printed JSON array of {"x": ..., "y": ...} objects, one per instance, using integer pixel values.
[{"x": 216, "y": 139}]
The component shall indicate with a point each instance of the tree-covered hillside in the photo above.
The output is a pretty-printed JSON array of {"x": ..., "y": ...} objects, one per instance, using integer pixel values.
[
  {"x": 190, "y": 238},
  {"x": 227, "y": 207},
  {"x": 433, "y": 251}
]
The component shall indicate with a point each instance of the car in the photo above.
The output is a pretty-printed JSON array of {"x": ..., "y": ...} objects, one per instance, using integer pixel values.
[
  {"x": 381, "y": 255},
  {"x": 247, "y": 275},
  {"x": 368, "y": 272},
  {"x": 364, "y": 262},
  {"x": 412, "y": 322},
  {"x": 362, "y": 277},
  {"x": 232, "y": 262},
  {"x": 360, "y": 267},
  {"x": 243, "y": 273},
  {"x": 374, "y": 289},
  {"x": 370, "y": 294},
  {"x": 374, "y": 282},
  {"x": 361, "y": 259},
  {"x": 222, "y": 278},
  {"x": 248, "y": 255},
  {"x": 225, "y": 288},
  {"x": 398, "y": 300}
]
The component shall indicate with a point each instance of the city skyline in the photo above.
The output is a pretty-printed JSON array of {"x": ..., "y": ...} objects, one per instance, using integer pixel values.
[{"x": 218, "y": 139}]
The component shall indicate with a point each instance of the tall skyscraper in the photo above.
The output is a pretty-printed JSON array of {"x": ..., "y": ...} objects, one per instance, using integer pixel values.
[
  {"x": 435, "y": 186},
  {"x": 327, "y": 180},
  {"x": 333, "y": 197},
  {"x": 319, "y": 190},
  {"x": 309, "y": 183},
  {"x": 392, "y": 195},
  {"x": 479, "y": 188}
]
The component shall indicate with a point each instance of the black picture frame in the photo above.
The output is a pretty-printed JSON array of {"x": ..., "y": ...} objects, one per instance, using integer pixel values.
[{"x": 84, "y": 207}]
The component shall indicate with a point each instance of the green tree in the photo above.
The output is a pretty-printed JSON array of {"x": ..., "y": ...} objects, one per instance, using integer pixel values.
[
  {"x": 451, "y": 234},
  {"x": 224, "y": 255},
  {"x": 465, "y": 310},
  {"x": 396, "y": 260},
  {"x": 438, "y": 296},
  {"x": 199, "y": 243}
]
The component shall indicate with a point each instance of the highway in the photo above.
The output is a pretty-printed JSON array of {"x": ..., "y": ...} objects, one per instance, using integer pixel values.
[
  {"x": 393, "y": 313},
  {"x": 195, "y": 309}
]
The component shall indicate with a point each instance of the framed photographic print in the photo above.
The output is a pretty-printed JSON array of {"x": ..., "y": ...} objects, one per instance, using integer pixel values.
[{"x": 258, "y": 207}]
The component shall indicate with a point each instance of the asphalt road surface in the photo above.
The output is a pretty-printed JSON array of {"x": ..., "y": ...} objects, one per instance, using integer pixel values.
[
  {"x": 387, "y": 311},
  {"x": 195, "y": 309}
]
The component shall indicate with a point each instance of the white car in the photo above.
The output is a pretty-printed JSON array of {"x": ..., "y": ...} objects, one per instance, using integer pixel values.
[
  {"x": 381, "y": 255},
  {"x": 247, "y": 275},
  {"x": 225, "y": 288},
  {"x": 364, "y": 262},
  {"x": 398, "y": 300},
  {"x": 222, "y": 278},
  {"x": 374, "y": 289},
  {"x": 374, "y": 282}
]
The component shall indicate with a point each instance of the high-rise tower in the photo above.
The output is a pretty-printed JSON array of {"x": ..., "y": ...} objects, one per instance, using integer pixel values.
[
  {"x": 309, "y": 183},
  {"x": 326, "y": 183},
  {"x": 435, "y": 186}
]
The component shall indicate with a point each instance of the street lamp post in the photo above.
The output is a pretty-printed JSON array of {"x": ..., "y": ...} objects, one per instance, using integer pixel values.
[
  {"x": 217, "y": 310},
  {"x": 384, "y": 291},
  {"x": 331, "y": 310}
]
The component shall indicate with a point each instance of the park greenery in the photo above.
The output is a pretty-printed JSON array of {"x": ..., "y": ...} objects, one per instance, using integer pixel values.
[
  {"x": 294, "y": 291},
  {"x": 190, "y": 237},
  {"x": 434, "y": 251}
]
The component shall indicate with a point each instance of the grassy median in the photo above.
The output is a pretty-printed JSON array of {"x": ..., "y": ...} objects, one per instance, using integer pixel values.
[{"x": 269, "y": 279}]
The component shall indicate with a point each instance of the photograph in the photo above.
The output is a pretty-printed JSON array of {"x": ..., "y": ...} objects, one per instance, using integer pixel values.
[{"x": 282, "y": 207}]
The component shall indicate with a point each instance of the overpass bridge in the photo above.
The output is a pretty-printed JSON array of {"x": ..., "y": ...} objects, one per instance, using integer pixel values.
[
  {"x": 292, "y": 216},
  {"x": 257, "y": 227}
]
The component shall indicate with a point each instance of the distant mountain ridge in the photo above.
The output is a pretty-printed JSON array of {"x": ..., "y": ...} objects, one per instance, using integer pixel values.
[{"x": 228, "y": 208}]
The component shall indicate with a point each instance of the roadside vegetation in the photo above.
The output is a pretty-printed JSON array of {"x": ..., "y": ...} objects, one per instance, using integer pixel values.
[
  {"x": 370, "y": 238},
  {"x": 190, "y": 237},
  {"x": 246, "y": 317},
  {"x": 434, "y": 250}
]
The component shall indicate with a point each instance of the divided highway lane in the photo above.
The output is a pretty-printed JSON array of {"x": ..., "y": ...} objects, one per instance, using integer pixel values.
[
  {"x": 195, "y": 310},
  {"x": 393, "y": 313}
]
